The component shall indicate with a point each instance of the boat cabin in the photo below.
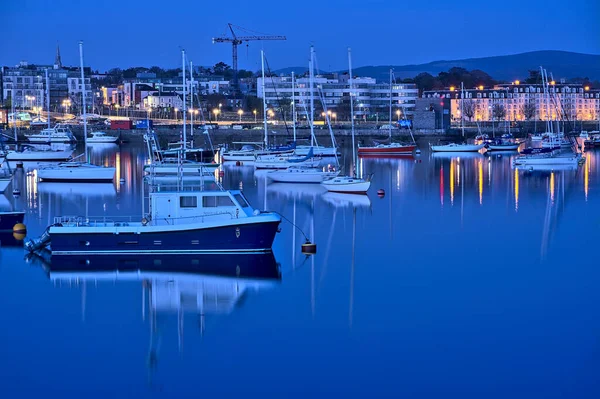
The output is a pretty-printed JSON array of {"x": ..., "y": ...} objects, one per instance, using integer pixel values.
[{"x": 171, "y": 208}]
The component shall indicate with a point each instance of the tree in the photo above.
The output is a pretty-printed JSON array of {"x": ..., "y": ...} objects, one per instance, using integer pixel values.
[
  {"x": 426, "y": 81},
  {"x": 254, "y": 103},
  {"x": 534, "y": 77},
  {"x": 528, "y": 110},
  {"x": 498, "y": 111},
  {"x": 468, "y": 108},
  {"x": 220, "y": 68}
]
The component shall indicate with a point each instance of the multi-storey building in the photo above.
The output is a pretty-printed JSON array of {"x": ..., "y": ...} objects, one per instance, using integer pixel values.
[
  {"x": 24, "y": 86},
  {"x": 520, "y": 102},
  {"x": 370, "y": 97}
]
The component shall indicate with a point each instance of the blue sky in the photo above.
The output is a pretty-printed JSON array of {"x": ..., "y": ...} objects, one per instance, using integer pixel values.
[{"x": 150, "y": 32}]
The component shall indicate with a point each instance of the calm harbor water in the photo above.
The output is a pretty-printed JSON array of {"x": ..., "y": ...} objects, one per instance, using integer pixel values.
[{"x": 467, "y": 279}]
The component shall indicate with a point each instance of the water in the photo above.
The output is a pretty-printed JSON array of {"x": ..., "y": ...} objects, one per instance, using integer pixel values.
[{"x": 467, "y": 279}]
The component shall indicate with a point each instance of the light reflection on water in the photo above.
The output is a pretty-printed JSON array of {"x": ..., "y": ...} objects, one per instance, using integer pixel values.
[{"x": 461, "y": 269}]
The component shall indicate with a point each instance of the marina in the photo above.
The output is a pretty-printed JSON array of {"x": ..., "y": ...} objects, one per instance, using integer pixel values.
[{"x": 293, "y": 209}]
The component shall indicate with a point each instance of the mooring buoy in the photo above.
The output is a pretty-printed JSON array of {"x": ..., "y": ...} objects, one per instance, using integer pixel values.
[{"x": 308, "y": 248}]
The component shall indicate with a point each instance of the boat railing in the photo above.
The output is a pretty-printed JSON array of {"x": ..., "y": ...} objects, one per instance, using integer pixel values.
[{"x": 198, "y": 218}]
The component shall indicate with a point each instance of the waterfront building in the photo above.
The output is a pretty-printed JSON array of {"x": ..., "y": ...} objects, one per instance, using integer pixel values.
[
  {"x": 25, "y": 85},
  {"x": 521, "y": 102},
  {"x": 163, "y": 100},
  {"x": 371, "y": 97}
]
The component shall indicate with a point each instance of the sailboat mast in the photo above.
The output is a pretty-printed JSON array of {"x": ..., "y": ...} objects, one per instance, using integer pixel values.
[
  {"x": 184, "y": 101},
  {"x": 47, "y": 98},
  {"x": 84, "y": 113},
  {"x": 191, "y": 105},
  {"x": 262, "y": 66},
  {"x": 312, "y": 97},
  {"x": 462, "y": 112},
  {"x": 390, "y": 118},
  {"x": 351, "y": 82},
  {"x": 294, "y": 104},
  {"x": 14, "y": 114}
]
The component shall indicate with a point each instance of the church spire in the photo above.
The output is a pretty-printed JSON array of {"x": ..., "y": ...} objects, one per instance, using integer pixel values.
[{"x": 57, "y": 60}]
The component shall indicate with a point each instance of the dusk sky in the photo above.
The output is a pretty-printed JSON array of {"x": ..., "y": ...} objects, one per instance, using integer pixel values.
[{"x": 151, "y": 32}]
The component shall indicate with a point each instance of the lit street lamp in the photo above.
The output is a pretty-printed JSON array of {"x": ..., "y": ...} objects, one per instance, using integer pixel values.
[
  {"x": 216, "y": 112},
  {"x": 254, "y": 112},
  {"x": 398, "y": 114},
  {"x": 240, "y": 113},
  {"x": 176, "y": 109}
]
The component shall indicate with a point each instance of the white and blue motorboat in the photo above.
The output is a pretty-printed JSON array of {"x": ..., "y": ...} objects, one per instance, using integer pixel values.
[{"x": 178, "y": 222}]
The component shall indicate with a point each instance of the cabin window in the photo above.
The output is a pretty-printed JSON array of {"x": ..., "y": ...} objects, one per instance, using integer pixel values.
[
  {"x": 188, "y": 201},
  {"x": 241, "y": 200},
  {"x": 215, "y": 201}
]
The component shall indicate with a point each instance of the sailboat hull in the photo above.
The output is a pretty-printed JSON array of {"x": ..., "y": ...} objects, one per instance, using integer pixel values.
[
  {"x": 347, "y": 185},
  {"x": 301, "y": 176},
  {"x": 386, "y": 150},
  {"x": 89, "y": 173},
  {"x": 39, "y": 155},
  {"x": 457, "y": 147}
]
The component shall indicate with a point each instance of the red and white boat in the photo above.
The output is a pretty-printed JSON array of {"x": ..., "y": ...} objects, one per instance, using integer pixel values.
[{"x": 387, "y": 149}]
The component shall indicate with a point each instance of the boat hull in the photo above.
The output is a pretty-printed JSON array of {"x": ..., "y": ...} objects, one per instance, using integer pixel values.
[
  {"x": 457, "y": 148},
  {"x": 318, "y": 151},
  {"x": 503, "y": 147},
  {"x": 75, "y": 174},
  {"x": 39, "y": 156},
  {"x": 345, "y": 185},
  {"x": 244, "y": 236},
  {"x": 386, "y": 150},
  {"x": 525, "y": 160}
]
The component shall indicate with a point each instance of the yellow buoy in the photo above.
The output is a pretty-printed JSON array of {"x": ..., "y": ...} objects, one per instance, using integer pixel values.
[
  {"x": 19, "y": 228},
  {"x": 19, "y": 236}
]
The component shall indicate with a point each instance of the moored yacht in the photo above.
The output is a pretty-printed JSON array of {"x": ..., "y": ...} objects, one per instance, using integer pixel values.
[{"x": 61, "y": 133}]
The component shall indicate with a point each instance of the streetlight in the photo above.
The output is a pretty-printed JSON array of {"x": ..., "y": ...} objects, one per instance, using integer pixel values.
[
  {"x": 334, "y": 115},
  {"x": 176, "y": 120},
  {"x": 117, "y": 106},
  {"x": 240, "y": 113},
  {"x": 216, "y": 112},
  {"x": 254, "y": 112},
  {"x": 398, "y": 114}
]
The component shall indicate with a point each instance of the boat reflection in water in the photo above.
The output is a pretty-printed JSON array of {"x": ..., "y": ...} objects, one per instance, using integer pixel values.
[
  {"x": 343, "y": 200},
  {"x": 196, "y": 285}
]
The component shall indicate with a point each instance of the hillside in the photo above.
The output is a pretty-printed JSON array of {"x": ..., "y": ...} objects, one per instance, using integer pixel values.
[{"x": 562, "y": 64}]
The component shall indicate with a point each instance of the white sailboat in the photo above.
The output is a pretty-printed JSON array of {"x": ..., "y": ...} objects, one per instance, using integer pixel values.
[
  {"x": 303, "y": 173},
  {"x": 75, "y": 171},
  {"x": 454, "y": 147},
  {"x": 349, "y": 184}
]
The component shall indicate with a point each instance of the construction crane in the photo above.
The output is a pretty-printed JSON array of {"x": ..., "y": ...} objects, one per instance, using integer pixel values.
[{"x": 237, "y": 40}]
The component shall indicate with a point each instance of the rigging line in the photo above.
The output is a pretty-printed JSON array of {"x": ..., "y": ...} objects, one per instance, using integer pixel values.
[{"x": 277, "y": 96}]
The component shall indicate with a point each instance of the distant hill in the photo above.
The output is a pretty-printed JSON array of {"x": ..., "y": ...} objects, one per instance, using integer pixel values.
[{"x": 562, "y": 64}]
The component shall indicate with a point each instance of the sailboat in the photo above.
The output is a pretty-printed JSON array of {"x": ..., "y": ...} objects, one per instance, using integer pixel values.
[
  {"x": 304, "y": 173},
  {"x": 454, "y": 147},
  {"x": 349, "y": 184},
  {"x": 389, "y": 149},
  {"x": 75, "y": 171}
]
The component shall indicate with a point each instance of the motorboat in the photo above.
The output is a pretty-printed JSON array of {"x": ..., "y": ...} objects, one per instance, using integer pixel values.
[
  {"x": 537, "y": 136},
  {"x": 101, "y": 138},
  {"x": 60, "y": 133},
  {"x": 246, "y": 153},
  {"x": 74, "y": 171},
  {"x": 184, "y": 222},
  {"x": 454, "y": 147},
  {"x": 553, "y": 157},
  {"x": 38, "y": 122},
  {"x": 300, "y": 174},
  {"x": 173, "y": 167},
  {"x": 387, "y": 149}
]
